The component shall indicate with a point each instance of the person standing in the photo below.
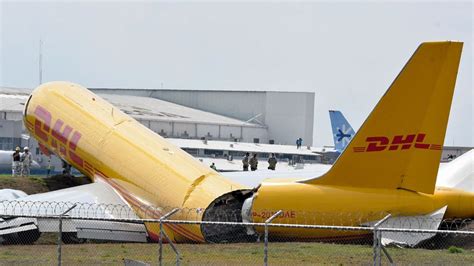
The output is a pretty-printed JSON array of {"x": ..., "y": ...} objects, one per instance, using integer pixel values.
[
  {"x": 245, "y": 162},
  {"x": 272, "y": 161},
  {"x": 16, "y": 164},
  {"x": 66, "y": 167},
  {"x": 299, "y": 141},
  {"x": 213, "y": 166},
  {"x": 253, "y": 162},
  {"x": 26, "y": 162},
  {"x": 48, "y": 169}
]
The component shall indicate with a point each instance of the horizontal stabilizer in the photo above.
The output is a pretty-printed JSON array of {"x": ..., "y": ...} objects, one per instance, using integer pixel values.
[{"x": 430, "y": 221}]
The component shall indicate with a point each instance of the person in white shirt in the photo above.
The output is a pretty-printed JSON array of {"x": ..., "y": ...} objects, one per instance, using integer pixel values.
[{"x": 26, "y": 161}]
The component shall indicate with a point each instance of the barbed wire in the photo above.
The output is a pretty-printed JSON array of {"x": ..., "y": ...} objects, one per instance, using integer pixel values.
[{"x": 147, "y": 213}]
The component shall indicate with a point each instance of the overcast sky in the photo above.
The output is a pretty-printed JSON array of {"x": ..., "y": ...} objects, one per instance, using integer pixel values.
[{"x": 348, "y": 53}]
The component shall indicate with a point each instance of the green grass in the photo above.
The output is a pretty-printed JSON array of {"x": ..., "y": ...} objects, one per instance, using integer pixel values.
[
  {"x": 290, "y": 253},
  {"x": 10, "y": 176},
  {"x": 38, "y": 179},
  {"x": 453, "y": 249},
  {"x": 31, "y": 185},
  {"x": 38, "y": 183}
]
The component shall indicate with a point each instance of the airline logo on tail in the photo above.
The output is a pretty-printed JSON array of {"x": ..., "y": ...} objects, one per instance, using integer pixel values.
[
  {"x": 341, "y": 130},
  {"x": 343, "y": 135},
  {"x": 399, "y": 142}
]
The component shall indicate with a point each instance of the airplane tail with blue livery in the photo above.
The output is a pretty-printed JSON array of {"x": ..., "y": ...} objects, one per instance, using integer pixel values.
[{"x": 342, "y": 131}]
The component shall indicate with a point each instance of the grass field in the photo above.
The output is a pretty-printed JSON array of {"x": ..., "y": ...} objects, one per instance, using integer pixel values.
[
  {"x": 30, "y": 185},
  {"x": 39, "y": 183},
  {"x": 293, "y": 253}
]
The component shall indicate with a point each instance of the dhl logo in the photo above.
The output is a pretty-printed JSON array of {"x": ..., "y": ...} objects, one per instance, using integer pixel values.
[
  {"x": 402, "y": 142},
  {"x": 61, "y": 138}
]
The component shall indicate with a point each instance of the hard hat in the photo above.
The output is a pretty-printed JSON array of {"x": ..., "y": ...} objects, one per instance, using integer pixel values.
[
  {"x": 26, "y": 148},
  {"x": 17, "y": 149}
]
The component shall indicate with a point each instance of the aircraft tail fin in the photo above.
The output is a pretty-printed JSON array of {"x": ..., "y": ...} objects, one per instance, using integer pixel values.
[
  {"x": 400, "y": 143},
  {"x": 342, "y": 131}
]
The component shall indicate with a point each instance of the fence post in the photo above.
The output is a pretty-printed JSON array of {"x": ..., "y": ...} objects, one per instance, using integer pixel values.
[
  {"x": 265, "y": 250},
  {"x": 160, "y": 241},
  {"x": 378, "y": 241},
  {"x": 60, "y": 234}
]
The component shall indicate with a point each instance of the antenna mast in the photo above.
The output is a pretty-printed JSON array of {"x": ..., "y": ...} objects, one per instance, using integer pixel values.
[{"x": 40, "y": 62}]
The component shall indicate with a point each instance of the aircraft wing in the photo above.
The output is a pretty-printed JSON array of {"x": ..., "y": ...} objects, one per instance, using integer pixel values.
[
  {"x": 94, "y": 193},
  {"x": 11, "y": 194},
  {"x": 255, "y": 178},
  {"x": 95, "y": 200}
]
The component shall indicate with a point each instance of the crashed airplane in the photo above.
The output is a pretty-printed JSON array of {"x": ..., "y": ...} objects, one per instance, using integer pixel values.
[{"x": 390, "y": 166}]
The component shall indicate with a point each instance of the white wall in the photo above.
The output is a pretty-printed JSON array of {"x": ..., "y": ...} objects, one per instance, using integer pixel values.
[
  {"x": 290, "y": 116},
  {"x": 10, "y": 129},
  {"x": 158, "y": 126},
  {"x": 16, "y": 116},
  {"x": 213, "y": 130},
  {"x": 180, "y": 128},
  {"x": 242, "y": 105},
  {"x": 227, "y": 130},
  {"x": 249, "y": 133}
]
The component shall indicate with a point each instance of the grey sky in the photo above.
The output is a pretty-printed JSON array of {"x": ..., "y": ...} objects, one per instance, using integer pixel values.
[{"x": 348, "y": 53}]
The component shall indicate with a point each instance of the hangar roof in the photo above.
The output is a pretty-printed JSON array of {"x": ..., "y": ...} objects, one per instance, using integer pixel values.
[
  {"x": 12, "y": 100},
  {"x": 140, "y": 108},
  {"x": 146, "y": 108}
]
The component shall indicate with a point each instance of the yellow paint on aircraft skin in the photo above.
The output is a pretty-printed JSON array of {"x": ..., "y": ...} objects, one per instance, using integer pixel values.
[
  {"x": 142, "y": 166},
  {"x": 390, "y": 166},
  {"x": 333, "y": 205},
  {"x": 415, "y": 109}
]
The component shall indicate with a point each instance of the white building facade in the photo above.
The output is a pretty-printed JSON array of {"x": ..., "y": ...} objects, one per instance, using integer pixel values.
[{"x": 286, "y": 115}]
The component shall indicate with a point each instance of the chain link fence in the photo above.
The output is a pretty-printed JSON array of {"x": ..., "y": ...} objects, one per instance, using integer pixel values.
[{"x": 46, "y": 233}]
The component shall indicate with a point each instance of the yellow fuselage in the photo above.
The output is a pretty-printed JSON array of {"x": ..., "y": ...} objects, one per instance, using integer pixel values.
[
  {"x": 331, "y": 205},
  {"x": 102, "y": 142}
]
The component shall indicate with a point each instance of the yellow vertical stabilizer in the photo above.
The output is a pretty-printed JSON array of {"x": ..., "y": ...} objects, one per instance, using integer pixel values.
[{"x": 400, "y": 143}]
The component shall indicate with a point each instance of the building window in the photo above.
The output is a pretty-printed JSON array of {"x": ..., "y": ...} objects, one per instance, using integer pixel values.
[
  {"x": 193, "y": 152},
  {"x": 214, "y": 152},
  {"x": 237, "y": 153}
]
